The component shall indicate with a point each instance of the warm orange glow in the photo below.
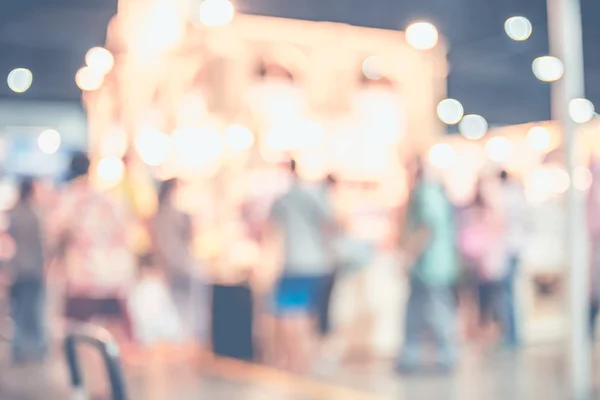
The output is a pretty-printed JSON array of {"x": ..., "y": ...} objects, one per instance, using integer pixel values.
[
  {"x": 539, "y": 138},
  {"x": 238, "y": 138},
  {"x": 441, "y": 155},
  {"x": 161, "y": 28},
  {"x": 111, "y": 170},
  {"x": 498, "y": 149},
  {"x": 197, "y": 147},
  {"x": 295, "y": 135},
  {"x": 380, "y": 115},
  {"x": 216, "y": 12},
  {"x": 153, "y": 146},
  {"x": 192, "y": 110}
]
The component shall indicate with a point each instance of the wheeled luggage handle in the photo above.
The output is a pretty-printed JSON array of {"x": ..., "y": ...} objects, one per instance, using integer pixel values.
[{"x": 101, "y": 340}]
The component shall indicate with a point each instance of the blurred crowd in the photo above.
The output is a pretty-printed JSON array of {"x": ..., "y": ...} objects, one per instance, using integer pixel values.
[{"x": 461, "y": 265}]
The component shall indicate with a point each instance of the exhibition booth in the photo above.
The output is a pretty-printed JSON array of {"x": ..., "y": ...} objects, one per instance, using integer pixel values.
[
  {"x": 223, "y": 102},
  {"x": 225, "y": 106}
]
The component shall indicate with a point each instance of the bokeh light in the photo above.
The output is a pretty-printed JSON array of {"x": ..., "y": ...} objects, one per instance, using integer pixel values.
[
  {"x": 153, "y": 146},
  {"x": 518, "y": 28},
  {"x": 473, "y": 126},
  {"x": 238, "y": 138},
  {"x": 582, "y": 178},
  {"x": 560, "y": 179},
  {"x": 161, "y": 30},
  {"x": 422, "y": 35},
  {"x": 548, "y": 68},
  {"x": 441, "y": 155},
  {"x": 114, "y": 143},
  {"x": 19, "y": 80},
  {"x": 100, "y": 60},
  {"x": 450, "y": 111},
  {"x": 581, "y": 110},
  {"x": 216, "y": 12},
  {"x": 374, "y": 67},
  {"x": 49, "y": 141},
  {"x": 498, "y": 149},
  {"x": 111, "y": 169},
  {"x": 88, "y": 80},
  {"x": 539, "y": 138}
]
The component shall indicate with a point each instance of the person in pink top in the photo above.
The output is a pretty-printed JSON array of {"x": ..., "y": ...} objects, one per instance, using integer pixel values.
[{"x": 89, "y": 233}]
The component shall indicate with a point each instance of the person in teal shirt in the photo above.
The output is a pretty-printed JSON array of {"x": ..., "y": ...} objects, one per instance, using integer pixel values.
[{"x": 429, "y": 227}]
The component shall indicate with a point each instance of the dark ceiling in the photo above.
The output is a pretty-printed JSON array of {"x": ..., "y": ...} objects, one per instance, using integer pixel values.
[{"x": 490, "y": 74}]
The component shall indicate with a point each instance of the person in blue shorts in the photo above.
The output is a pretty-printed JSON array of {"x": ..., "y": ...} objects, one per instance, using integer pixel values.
[{"x": 304, "y": 218}]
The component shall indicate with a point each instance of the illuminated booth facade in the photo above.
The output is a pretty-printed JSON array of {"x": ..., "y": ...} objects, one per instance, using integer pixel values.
[{"x": 224, "y": 105}]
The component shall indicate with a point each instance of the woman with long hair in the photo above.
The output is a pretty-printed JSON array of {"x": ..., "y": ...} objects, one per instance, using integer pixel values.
[{"x": 171, "y": 232}]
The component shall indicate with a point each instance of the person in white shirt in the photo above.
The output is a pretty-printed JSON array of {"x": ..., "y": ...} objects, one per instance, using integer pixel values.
[{"x": 304, "y": 218}]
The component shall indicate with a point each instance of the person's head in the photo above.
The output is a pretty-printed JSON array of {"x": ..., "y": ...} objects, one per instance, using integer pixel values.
[
  {"x": 167, "y": 191},
  {"x": 79, "y": 166},
  {"x": 331, "y": 181},
  {"x": 415, "y": 169},
  {"x": 26, "y": 190}
]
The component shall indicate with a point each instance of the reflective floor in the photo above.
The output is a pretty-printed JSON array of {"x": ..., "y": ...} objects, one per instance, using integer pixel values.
[{"x": 534, "y": 373}]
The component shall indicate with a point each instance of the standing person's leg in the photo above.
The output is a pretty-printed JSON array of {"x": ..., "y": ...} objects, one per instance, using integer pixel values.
[
  {"x": 330, "y": 343},
  {"x": 324, "y": 302},
  {"x": 441, "y": 315},
  {"x": 199, "y": 306},
  {"x": 39, "y": 318},
  {"x": 510, "y": 328},
  {"x": 486, "y": 310},
  {"x": 284, "y": 307},
  {"x": 18, "y": 310},
  {"x": 594, "y": 309},
  {"x": 294, "y": 302},
  {"x": 180, "y": 288},
  {"x": 414, "y": 319}
]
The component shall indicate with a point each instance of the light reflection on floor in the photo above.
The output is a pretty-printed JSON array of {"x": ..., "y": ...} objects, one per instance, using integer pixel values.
[{"x": 534, "y": 373}]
